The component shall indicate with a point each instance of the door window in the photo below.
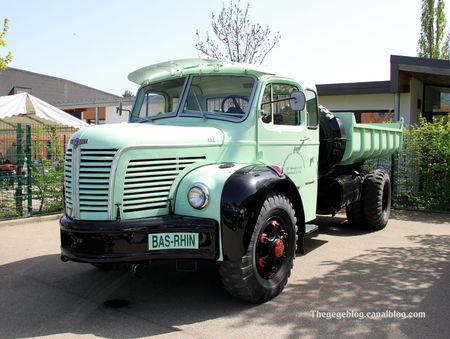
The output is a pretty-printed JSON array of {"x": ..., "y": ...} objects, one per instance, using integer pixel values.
[
  {"x": 312, "y": 108},
  {"x": 276, "y": 106}
]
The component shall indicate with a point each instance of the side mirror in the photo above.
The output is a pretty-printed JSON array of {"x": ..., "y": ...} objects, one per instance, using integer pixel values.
[
  {"x": 119, "y": 108},
  {"x": 297, "y": 101},
  {"x": 265, "y": 117}
]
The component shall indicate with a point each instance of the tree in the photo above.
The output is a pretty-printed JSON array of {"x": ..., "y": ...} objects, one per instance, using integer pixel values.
[
  {"x": 239, "y": 40},
  {"x": 4, "y": 61},
  {"x": 127, "y": 94},
  {"x": 431, "y": 42}
]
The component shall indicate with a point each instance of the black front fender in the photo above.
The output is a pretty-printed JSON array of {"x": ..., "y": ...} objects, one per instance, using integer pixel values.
[{"x": 243, "y": 195}]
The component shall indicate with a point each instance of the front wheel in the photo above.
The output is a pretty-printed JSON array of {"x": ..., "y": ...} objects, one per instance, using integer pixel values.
[{"x": 264, "y": 270}]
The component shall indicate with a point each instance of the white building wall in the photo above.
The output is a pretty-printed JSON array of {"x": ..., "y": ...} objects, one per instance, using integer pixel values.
[
  {"x": 359, "y": 102},
  {"x": 405, "y": 107},
  {"x": 111, "y": 117},
  {"x": 416, "y": 100}
]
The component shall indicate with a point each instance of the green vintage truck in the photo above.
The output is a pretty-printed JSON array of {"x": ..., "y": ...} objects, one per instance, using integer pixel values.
[{"x": 222, "y": 162}]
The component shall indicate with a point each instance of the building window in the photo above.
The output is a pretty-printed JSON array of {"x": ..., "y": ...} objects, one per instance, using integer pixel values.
[
  {"x": 18, "y": 90},
  {"x": 436, "y": 101}
]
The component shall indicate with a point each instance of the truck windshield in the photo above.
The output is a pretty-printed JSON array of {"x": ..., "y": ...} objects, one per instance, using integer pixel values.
[
  {"x": 219, "y": 96},
  {"x": 224, "y": 97},
  {"x": 157, "y": 99}
]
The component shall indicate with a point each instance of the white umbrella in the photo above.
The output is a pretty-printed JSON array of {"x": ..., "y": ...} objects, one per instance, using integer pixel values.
[{"x": 25, "y": 108}]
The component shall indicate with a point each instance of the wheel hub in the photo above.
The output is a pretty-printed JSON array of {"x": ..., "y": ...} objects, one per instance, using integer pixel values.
[
  {"x": 279, "y": 249},
  {"x": 271, "y": 248}
]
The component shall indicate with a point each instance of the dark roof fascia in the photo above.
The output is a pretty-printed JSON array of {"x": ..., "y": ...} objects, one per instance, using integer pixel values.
[
  {"x": 61, "y": 79},
  {"x": 108, "y": 103},
  {"x": 373, "y": 87},
  {"x": 416, "y": 65}
]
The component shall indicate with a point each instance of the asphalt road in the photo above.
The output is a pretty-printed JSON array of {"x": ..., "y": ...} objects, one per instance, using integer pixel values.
[{"x": 403, "y": 268}]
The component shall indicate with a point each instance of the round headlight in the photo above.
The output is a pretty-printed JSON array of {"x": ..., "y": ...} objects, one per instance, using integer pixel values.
[{"x": 198, "y": 196}]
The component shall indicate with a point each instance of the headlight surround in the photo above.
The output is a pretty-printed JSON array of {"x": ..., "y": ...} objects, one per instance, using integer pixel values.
[{"x": 198, "y": 196}]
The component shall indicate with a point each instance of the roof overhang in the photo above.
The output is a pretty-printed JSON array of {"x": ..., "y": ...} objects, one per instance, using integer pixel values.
[
  {"x": 374, "y": 87},
  {"x": 429, "y": 71}
]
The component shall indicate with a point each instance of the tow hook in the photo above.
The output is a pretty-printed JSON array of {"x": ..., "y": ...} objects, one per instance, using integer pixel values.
[{"x": 136, "y": 270}]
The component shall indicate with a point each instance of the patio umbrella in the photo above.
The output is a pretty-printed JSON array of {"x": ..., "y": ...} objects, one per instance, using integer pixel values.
[{"x": 25, "y": 108}]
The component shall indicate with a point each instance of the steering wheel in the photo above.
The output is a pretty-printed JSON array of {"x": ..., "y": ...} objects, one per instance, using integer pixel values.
[{"x": 235, "y": 102}]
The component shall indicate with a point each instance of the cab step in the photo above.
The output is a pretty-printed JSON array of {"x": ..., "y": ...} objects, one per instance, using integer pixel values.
[{"x": 309, "y": 228}]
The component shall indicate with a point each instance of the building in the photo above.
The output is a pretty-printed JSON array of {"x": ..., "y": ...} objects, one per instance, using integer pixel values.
[
  {"x": 417, "y": 86},
  {"x": 78, "y": 100}
]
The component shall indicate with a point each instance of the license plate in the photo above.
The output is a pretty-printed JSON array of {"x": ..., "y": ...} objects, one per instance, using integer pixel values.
[{"x": 164, "y": 241}]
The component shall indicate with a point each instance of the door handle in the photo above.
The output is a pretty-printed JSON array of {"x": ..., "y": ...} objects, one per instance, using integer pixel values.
[{"x": 304, "y": 139}]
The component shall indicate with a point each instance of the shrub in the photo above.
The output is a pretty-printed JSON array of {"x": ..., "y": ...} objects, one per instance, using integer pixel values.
[{"x": 424, "y": 169}]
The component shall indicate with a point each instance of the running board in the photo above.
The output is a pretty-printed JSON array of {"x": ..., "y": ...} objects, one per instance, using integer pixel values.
[{"x": 309, "y": 228}]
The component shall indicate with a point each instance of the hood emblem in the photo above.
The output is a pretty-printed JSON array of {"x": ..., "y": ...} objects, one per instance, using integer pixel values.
[{"x": 77, "y": 142}]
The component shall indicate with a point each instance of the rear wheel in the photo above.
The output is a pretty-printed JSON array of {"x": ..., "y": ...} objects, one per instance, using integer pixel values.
[
  {"x": 264, "y": 270},
  {"x": 354, "y": 213},
  {"x": 376, "y": 202}
]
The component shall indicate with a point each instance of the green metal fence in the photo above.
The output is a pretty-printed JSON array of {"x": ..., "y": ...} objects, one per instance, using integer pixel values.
[{"x": 31, "y": 169}]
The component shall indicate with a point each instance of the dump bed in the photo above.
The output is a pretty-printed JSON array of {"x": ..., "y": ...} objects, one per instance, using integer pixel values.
[{"x": 365, "y": 141}]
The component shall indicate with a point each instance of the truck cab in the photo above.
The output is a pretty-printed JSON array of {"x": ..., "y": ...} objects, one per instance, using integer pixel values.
[{"x": 219, "y": 161}]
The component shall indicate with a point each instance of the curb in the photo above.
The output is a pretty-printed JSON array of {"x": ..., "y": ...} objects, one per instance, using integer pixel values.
[{"x": 31, "y": 220}]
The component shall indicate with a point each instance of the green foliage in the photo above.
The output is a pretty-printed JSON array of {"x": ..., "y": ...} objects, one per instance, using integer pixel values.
[
  {"x": 425, "y": 166},
  {"x": 4, "y": 61},
  {"x": 421, "y": 170},
  {"x": 433, "y": 23},
  {"x": 8, "y": 209},
  {"x": 239, "y": 40},
  {"x": 128, "y": 94},
  {"x": 48, "y": 170}
]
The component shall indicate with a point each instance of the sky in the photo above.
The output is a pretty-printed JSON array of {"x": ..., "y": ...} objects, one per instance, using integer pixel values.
[{"x": 97, "y": 43}]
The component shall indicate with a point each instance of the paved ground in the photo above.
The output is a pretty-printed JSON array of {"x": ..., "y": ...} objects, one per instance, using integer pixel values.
[{"x": 404, "y": 268}]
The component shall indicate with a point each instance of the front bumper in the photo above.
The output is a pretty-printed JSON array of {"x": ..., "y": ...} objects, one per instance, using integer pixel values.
[{"x": 127, "y": 241}]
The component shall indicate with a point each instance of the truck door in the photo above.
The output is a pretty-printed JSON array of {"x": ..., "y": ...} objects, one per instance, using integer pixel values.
[{"x": 290, "y": 139}]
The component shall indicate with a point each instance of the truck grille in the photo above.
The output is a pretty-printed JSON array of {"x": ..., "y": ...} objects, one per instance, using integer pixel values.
[
  {"x": 148, "y": 182},
  {"x": 95, "y": 168},
  {"x": 68, "y": 179},
  {"x": 92, "y": 180}
]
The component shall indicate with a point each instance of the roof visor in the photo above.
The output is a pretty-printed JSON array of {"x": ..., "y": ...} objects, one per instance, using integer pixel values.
[
  {"x": 147, "y": 74},
  {"x": 171, "y": 68}
]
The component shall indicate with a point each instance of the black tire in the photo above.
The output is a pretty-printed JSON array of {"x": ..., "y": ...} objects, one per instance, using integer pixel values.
[
  {"x": 264, "y": 270},
  {"x": 354, "y": 214},
  {"x": 332, "y": 141},
  {"x": 376, "y": 200},
  {"x": 354, "y": 211}
]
